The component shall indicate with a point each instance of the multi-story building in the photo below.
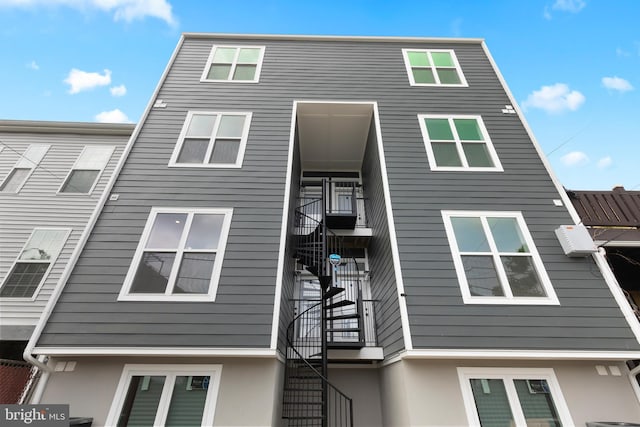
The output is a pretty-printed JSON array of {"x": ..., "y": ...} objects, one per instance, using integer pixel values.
[
  {"x": 51, "y": 177},
  {"x": 336, "y": 231}
]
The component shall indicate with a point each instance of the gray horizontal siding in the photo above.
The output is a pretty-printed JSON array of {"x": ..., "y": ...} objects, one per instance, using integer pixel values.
[
  {"x": 38, "y": 205},
  {"x": 383, "y": 280},
  {"x": 332, "y": 70}
]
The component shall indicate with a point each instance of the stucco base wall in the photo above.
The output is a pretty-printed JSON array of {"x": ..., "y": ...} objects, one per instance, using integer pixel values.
[
  {"x": 249, "y": 393},
  {"x": 362, "y": 384},
  {"x": 427, "y": 393}
]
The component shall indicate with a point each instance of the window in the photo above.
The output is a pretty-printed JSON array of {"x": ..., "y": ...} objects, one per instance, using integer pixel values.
[
  {"x": 180, "y": 256},
  {"x": 456, "y": 143},
  {"x": 166, "y": 395},
  {"x": 211, "y": 139},
  {"x": 23, "y": 168},
  {"x": 86, "y": 170},
  {"x": 34, "y": 262},
  {"x": 496, "y": 260},
  {"x": 234, "y": 63},
  {"x": 433, "y": 67},
  {"x": 513, "y": 397}
]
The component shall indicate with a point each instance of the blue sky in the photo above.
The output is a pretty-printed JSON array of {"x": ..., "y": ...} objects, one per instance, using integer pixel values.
[{"x": 572, "y": 65}]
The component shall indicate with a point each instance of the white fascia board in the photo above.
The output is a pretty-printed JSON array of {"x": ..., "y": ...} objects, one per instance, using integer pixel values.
[
  {"x": 513, "y": 355},
  {"x": 283, "y": 232},
  {"x": 155, "y": 351},
  {"x": 396, "y": 39},
  {"x": 93, "y": 218}
]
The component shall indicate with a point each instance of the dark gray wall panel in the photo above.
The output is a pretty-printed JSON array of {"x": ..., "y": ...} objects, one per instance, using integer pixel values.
[{"x": 334, "y": 70}]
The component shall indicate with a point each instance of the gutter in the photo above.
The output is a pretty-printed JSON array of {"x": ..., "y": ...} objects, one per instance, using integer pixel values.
[{"x": 35, "y": 336}]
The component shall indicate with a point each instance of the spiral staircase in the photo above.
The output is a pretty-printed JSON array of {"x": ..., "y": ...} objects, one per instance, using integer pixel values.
[{"x": 334, "y": 320}]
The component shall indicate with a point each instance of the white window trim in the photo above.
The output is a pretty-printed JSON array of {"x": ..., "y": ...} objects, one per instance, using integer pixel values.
[
  {"x": 183, "y": 133},
  {"x": 412, "y": 82},
  {"x": 463, "y": 158},
  {"x": 508, "y": 375},
  {"x": 33, "y": 166},
  {"x": 52, "y": 262},
  {"x": 256, "y": 79},
  {"x": 95, "y": 182},
  {"x": 125, "y": 295},
  {"x": 550, "y": 299},
  {"x": 170, "y": 372}
]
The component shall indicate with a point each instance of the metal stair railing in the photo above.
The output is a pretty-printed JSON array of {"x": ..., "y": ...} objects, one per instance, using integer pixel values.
[{"x": 303, "y": 402}]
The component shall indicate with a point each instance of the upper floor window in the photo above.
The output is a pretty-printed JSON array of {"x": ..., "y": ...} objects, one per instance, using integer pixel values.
[
  {"x": 433, "y": 67},
  {"x": 513, "y": 397},
  {"x": 23, "y": 168},
  {"x": 171, "y": 395},
  {"x": 234, "y": 63},
  {"x": 179, "y": 256},
  {"x": 34, "y": 262},
  {"x": 496, "y": 260},
  {"x": 458, "y": 143},
  {"x": 85, "y": 171},
  {"x": 211, "y": 139}
]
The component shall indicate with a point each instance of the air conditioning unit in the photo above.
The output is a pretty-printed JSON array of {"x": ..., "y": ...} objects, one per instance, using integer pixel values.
[{"x": 575, "y": 240}]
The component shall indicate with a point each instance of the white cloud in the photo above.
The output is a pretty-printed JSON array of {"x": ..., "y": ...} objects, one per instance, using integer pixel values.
[
  {"x": 81, "y": 80},
  {"x": 575, "y": 158},
  {"x": 573, "y": 6},
  {"x": 33, "y": 65},
  {"x": 617, "y": 83},
  {"x": 555, "y": 99},
  {"x": 118, "y": 90},
  {"x": 125, "y": 10},
  {"x": 605, "y": 162},
  {"x": 622, "y": 52},
  {"x": 113, "y": 116},
  {"x": 546, "y": 13}
]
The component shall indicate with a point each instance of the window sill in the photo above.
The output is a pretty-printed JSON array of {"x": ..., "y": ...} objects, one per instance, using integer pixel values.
[
  {"x": 203, "y": 166},
  {"x": 510, "y": 301},
  {"x": 167, "y": 298}
]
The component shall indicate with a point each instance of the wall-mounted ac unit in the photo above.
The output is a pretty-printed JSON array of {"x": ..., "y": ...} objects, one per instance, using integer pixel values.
[{"x": 575, "y": 240}]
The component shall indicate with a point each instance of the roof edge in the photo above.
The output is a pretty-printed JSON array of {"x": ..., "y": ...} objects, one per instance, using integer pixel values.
[
  {"x": 331, "y": 37},
  {"x": 81, "y": 128}
]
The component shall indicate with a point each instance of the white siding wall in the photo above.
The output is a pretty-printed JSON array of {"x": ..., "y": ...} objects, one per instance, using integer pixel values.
[{"x": 37, "y": 204}]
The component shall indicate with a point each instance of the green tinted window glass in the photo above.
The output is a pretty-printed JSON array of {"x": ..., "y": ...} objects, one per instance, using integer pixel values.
[
  {"x": 187, "y": 401},
  {"x": 141, "y": 402},
  {"x": 477, "y": 155},
  {"x": 468, "y": 129},
  {"x": 219, "y": 72},
  {"x": 201, "y": 125},
  {"x": 244, "y": 72},
  {"x": 248, "y": 56},
  {"x": 537, "y": 403},
  {"x": 442, "y": 59},
  {"x": 492, "y": 402},
  {"x": 448, "y": 76},
  {"x": 418, "y": 59},
  {"x": 423, "y": 75},
  {"x": 507, "y": 235},
  {"x": 231, "y": 126},
  {"x": 439, "y": 129},
  {"x": 469, "y": 234},
  {"x": 224, "y": 55},
  {"x": 446, "y": 154}
]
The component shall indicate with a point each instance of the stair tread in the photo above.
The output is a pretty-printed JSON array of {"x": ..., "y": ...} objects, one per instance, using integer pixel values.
[
  {"x": 343, "y": 329},
  {"x": 333, "y": 291},
  {"x": 342, "y": 303},
  {"x": 344, "y": 316}
]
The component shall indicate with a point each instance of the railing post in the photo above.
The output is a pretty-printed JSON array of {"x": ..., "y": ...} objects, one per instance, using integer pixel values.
[{"x": 323, "y": 313}]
